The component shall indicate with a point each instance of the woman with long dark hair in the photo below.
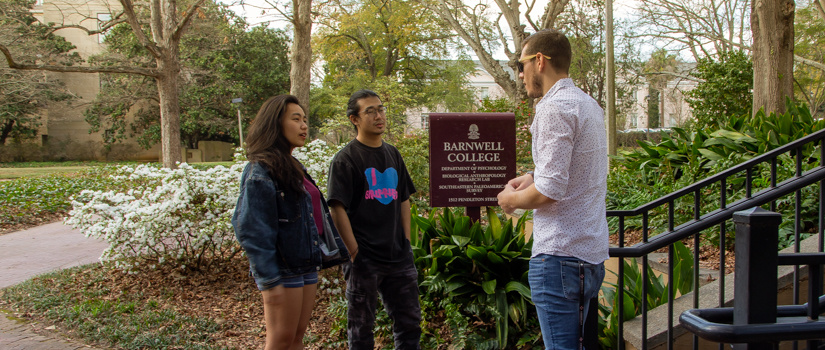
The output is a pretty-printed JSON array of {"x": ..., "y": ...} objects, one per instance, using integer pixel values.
[{"x": 283, "y": 223}]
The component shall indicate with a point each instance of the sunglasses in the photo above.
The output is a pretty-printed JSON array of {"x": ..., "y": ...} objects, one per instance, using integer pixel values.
[{"x": 520, "y": 63}]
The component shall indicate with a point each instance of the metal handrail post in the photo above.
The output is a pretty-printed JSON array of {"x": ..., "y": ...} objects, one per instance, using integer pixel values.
[{"x": 756, "y": 268}]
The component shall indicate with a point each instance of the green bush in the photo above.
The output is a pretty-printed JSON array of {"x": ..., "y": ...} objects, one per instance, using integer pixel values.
[
  {"x": 524, "y": 117},
  {"x": 725, "y": 88},
  {"x": 484, "y": 270},
  {"x": 630, "y": 139},
  {"x": 656, "y": 169},
  {"x": 739, "y": 136},
  {"x": 415, "y": 149}
]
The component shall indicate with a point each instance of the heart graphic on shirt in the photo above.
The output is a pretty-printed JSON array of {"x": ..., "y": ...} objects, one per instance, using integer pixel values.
[{"x": 382, "y": 185}]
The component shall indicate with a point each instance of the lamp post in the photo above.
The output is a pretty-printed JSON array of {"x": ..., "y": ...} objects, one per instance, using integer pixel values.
[{"x": 237, "y": 103}]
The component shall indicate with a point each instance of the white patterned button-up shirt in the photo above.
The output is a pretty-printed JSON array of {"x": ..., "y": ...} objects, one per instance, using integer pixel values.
[{"x": 570, "y": 154}]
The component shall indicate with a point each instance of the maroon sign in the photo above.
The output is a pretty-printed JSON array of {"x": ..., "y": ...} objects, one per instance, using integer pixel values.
[{"x": 472, "y": 156}]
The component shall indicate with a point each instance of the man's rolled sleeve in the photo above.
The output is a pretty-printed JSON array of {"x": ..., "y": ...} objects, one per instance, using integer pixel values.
[{"x": 552, "y": 150}]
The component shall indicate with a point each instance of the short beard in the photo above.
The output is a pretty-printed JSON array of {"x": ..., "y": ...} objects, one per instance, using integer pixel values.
[{"x": 538, "y": 91}]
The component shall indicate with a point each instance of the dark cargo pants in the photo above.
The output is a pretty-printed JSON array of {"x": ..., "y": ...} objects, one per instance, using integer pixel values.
[{"x": 397, "y": 284}]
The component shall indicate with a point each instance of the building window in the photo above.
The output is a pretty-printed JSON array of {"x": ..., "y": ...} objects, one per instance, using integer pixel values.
[
  {"x": 425, "y": 121},
  {"x": 102, "y": 19},
  {"x": 485, "y": 92},
  {"x": 633, "y": 121}
]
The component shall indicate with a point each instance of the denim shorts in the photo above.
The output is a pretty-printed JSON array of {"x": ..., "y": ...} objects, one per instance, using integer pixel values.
[{"x": 299, "y": 281}]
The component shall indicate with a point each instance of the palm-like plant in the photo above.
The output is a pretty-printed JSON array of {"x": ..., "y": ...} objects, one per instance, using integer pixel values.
[{"x": 483, "y": 269}]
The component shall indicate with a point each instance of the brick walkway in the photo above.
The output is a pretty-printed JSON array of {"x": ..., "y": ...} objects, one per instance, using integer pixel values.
[
  {"x": 32, "y": 252},
  {"x": 18, "y": 335}
]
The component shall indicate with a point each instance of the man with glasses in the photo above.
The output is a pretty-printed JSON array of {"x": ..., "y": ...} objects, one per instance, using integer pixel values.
[
  {"x": 566, "y": 190},
  {"x": 369, "y": 199}
]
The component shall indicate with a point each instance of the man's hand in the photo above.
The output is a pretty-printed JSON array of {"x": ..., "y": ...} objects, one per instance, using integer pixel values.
[
  {"x": 521, "y": 182},
  {"x": 505, "y": 197},
  {"x": 521, "y": 193},
  {"x": 341, "y": 221}
]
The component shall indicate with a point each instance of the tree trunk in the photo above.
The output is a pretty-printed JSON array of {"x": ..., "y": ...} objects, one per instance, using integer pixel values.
[
  {"x": 612, "y": 143},
  {"x": 662, "y": 105},
  {"x": 772, "y": 25},
  {"x": 300, "y": 71},
  {"x": 169, "y": 109}
]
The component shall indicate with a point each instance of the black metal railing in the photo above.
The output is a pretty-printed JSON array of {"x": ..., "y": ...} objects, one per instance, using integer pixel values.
[
  {"x": 755, "y": 322},
  {"x": 774, "y": 189}
]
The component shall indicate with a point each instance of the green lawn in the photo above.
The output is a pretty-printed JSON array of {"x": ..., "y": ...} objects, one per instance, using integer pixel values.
[
  {"x": 15, "y": 173},
  {"x": 29, "y": 169}
]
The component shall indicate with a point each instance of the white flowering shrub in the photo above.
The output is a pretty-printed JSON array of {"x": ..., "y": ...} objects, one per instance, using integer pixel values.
[
  {"x": 239, "y": 155},
  {"x": 316, "y": 156},
  {"x": 179, "y": 216}
]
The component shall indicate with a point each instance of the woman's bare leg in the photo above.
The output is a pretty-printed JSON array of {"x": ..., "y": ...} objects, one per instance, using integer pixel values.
[{"x": 286, "y": 314}]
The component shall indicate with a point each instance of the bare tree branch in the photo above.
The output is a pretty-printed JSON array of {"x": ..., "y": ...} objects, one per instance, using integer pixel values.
[
  {"x": 186, "y": 19},
  {"x": 118, "y": 19},
  {"x": 554, "y": 9},
  {"x": 527, "y": 15},
  {"x": 695, "y": 25},
  {"x": 77, "y": 69},
  {"x": 811, "y": 63},
  {"x": 796, "y": 58},
  {"x": 476, "y": 42},
  {"x": 156, "y": 20},
  {"x": 131, "y": 18},
  {"x": 820, "y": 8},
  {"x": 676, "y": 75}
]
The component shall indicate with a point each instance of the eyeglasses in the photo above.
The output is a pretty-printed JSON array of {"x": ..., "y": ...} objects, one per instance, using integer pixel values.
[
  {"x": 520, "y": 63},
  {"x": 373, "y": 112}
]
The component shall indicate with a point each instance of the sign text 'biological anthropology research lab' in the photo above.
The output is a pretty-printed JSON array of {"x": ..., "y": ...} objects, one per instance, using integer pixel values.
[{"x": 472, "y": 156}]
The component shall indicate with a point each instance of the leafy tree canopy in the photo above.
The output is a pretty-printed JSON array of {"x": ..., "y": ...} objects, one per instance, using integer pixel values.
[
  {"x": 725, "y": 90},
  {"x": 222, "y": 59},
  {"x": 397, "y": 48},
  {"x": 24, "y": 93},
  {"x": 809, "y": 81}
]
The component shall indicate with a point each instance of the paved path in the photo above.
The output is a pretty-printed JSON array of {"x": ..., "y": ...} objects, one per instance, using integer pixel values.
[{"x": 28, "y": 253}]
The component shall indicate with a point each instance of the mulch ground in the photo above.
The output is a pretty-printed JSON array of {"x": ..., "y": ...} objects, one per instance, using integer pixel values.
[
  {"x": 708, "y": 254},
  {"x": 228, "y": 297}
]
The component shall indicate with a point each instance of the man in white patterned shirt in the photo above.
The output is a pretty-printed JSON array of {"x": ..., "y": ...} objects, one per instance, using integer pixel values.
[{"x": 566, "y": 190}]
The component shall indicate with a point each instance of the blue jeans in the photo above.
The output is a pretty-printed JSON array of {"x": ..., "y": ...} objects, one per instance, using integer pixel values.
[
  {"x": 397, "y": 284},
  {"x": 555, "y": 287}
]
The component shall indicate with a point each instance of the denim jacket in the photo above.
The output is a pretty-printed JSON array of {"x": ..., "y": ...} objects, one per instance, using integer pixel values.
[{"x": 277, "y": 231}]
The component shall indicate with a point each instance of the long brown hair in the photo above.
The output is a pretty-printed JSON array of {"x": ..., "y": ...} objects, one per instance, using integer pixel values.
[{"x": 267, "y": 145}]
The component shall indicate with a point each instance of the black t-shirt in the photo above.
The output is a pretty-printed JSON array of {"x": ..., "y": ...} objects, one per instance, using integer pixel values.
[{"x": 371, "y": 183}]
